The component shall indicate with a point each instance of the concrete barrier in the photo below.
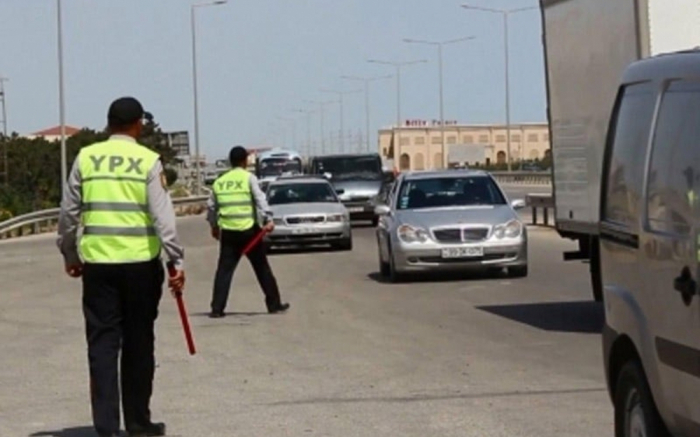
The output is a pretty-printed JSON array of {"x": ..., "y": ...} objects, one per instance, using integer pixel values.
[{"x": 537, "y": 201}]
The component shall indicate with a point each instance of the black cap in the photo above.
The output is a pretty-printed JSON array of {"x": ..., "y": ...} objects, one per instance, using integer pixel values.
[
  {"x": 125, "y": 111},
  {"x": 238, "y": 155}
]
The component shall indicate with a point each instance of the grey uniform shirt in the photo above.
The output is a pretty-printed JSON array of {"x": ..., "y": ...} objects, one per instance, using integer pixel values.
[
  {"x": 160, "y": 208},
  {"x": 262, "y": 208}
]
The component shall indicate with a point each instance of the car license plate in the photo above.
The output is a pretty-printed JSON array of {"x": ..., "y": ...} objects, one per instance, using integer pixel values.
[
  {"x": 463, "y": 252},
  {"x": 303, "y": 231},
  {"x": 356, "y": 209}
]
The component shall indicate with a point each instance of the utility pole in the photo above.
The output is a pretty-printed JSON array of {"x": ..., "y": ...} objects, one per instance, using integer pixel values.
[
  {"x": 4, "y": 169},
  {"x": 366, "y": 81}
]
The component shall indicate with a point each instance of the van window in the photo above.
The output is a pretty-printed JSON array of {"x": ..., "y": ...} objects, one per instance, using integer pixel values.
[
  {"x": 625, "y": 163},
  {"x": 674, "y": 170}
]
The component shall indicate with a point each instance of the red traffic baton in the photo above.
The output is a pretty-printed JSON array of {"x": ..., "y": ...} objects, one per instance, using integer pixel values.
[
  {"x": 183, "y": 313},
  {"x": 254, "y": 242}
]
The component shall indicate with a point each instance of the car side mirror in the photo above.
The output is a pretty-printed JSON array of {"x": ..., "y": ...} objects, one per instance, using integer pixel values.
[
  {"x": 382, "y": 210},
  {"x": 518, "y": 204},
  {"x": 340, "y": 192}
]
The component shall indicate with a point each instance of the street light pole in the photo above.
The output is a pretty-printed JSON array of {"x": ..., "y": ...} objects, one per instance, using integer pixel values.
[
  {"x": 440, "y": 45},
  {"x": 61, "y": 96},
  {"x": 5, "y": 165},
  {"x": 193, "y": 9},
  {"x": 322, "y": 110},
  {"x": 308, "y": 113},
  {"x": 340, "y": 95},
  {"x": 506, "y": 14},
  {"x": 398, "y": 66},
  {"x": 366, "y": 81}
]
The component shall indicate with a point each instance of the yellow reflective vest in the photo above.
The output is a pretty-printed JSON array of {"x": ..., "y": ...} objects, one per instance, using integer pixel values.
[
  {"x": 234, "y": 201},
  {"x": 117, "y": 225}
]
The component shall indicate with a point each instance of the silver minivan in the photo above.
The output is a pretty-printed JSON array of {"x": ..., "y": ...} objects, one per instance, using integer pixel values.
[{"x": 649, "y": 228}]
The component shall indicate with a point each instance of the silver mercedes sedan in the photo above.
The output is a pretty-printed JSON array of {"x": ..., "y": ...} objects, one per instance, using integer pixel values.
[
  {"x": 449, "y": 220},
  {"x": 307, "y": 211}
]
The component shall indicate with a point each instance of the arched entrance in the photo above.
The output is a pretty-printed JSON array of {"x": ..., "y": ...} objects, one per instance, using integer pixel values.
[
  {"x": 405, "y": 162},
  {"x": 501, "y": 157}
]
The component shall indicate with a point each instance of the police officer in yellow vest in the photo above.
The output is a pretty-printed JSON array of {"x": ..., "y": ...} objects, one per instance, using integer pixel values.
[
  {"x": 118, "y": 191},
  {"x": 234, "y": 207}
]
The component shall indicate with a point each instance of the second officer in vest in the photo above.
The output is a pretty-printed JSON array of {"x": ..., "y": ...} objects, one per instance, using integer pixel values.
[
  {"x": 234, "y": 207},
  {"x": 117, "y": 189}
]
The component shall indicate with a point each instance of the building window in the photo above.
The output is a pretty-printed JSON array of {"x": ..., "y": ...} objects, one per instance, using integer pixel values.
[
  {"x": 405, "y": 162},
  {"x": 532, "y": 138},
  {"x": 516, "y": 138},
  {"x": 451, "y": 140},
  {"x": 405, "y": 141},
  {"x": 484, "y": 139},
  {"x": 419, "y": 141},
  {"x": 501, "y": 157},
  {"x": 436, "y": 140},
  {"x": 468, "y": 139},
  {"x": 500, "y": 138}
]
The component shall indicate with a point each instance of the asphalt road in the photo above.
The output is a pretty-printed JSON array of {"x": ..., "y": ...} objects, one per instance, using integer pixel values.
[{"x": 456, "y": 356}]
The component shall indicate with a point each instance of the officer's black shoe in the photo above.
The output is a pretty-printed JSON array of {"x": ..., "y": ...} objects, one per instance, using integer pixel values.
[
  {"x": 279, "y": 308},
  {"x": 150, "y": 430},
  {"x": 217, "y": 314}
]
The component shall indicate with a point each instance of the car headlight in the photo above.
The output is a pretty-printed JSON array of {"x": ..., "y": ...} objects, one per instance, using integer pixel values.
[
  {"x": 335, "y": 218},
  {"x": 512, "y": 229},
  {"x": 412, "y": 234}
]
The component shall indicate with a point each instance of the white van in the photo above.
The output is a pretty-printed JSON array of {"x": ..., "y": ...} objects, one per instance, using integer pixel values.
[{"x": 649, "y": 228}]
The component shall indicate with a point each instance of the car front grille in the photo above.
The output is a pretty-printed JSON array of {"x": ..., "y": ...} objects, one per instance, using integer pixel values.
[
  {"x": 448, "y": 235},
  {"x": 475, "y": 234},
  {"x": 302, "y": 220},
  {"x": 461, "y": 235}
]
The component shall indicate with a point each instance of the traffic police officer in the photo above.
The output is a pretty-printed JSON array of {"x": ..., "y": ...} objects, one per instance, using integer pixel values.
[
  {"x": 118, "y": 189},
  {"x": 235, "y": 204}
]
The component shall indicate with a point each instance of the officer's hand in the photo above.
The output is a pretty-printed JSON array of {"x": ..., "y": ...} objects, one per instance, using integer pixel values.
[
  {"x": 177, "y": 282},
  {"x": 74, "y": 270},
  {"x": 215, "y": 233},
  {"x": 269, "y": 227}
]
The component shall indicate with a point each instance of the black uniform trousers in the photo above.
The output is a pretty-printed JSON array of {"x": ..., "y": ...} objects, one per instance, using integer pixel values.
[
  {"x": 231, "y": 246},
  {"x": 120, "y": 304}
]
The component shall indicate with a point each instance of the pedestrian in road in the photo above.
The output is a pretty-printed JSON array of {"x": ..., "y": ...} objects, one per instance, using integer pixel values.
[
  {"x": 118, "y": 189},
  {"x": 234, "y": 207}
]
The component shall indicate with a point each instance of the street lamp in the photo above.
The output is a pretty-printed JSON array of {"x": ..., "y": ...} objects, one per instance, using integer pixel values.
[
  {"x": 398, "y": 66},
  {"x": 340, "y": 95},
  {"x": 61, "y": 96},
  {"x": 308, "y": 113},
  {"x": 505, "y": 13},
  {"x": 322, "y": 111},
  {"x": 366, "y": 81},
  {"x": 193, "y": 9},
  {"x": 440, "y": 45}
]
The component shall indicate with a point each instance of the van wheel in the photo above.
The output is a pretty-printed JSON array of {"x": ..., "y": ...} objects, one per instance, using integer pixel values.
[
  {"x": 394, "y": 276},
  {"x": 635, "y": 411},
  {"x": 383, "y": 266}
]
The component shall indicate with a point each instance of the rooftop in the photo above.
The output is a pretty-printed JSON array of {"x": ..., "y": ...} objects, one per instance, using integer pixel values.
[{"x": 56, "y": 131}]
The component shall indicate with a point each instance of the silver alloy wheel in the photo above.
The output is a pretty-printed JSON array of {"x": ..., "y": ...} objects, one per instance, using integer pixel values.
[{"x": 635, "y": 421}]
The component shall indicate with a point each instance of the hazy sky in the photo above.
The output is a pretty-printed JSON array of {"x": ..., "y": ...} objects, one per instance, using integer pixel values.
[{"x": 260, "y": 59}]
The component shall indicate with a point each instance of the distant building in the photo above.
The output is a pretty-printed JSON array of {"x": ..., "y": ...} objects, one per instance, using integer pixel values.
[
  {"x": 54, "y": 133},
  {"x": 180, "y": 142},
  {"x": 420, "y": 145}
]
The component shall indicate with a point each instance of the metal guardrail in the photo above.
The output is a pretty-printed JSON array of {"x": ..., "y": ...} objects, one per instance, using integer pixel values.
[
  {"x": 540, "y": 201},
  {"x": 42, "y": 221},
  {"x": 523, "y": 178}
]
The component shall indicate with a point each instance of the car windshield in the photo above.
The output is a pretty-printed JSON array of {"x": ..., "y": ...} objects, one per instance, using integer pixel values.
[
  {"x": 281, "y": 194},
  {"x": 348, "y": 168},
  {"x": 449, "y": 192},
  {"x": 278, "y": 166}
]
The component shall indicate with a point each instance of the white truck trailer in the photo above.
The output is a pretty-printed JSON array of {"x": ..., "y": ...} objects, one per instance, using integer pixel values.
[{"x": 588, "y": 44}]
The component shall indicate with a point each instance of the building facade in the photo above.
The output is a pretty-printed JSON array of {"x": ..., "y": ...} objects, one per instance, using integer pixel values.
[{"x": 417, "y": 144}]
